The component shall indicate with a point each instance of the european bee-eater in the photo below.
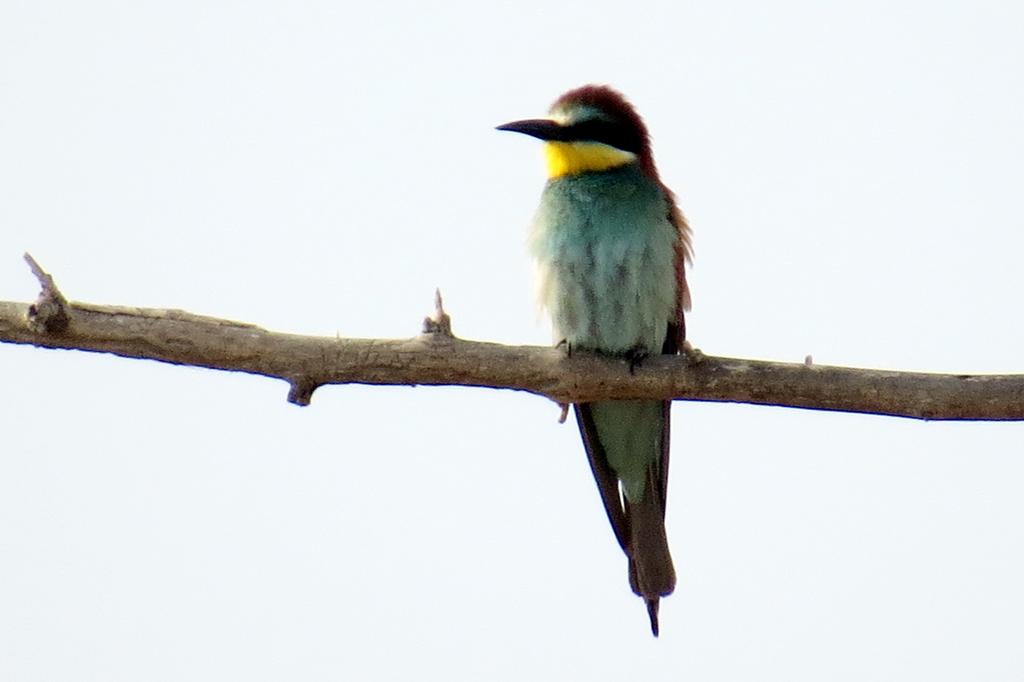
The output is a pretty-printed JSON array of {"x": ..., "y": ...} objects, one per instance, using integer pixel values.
[{"x": 611, "y": 246}]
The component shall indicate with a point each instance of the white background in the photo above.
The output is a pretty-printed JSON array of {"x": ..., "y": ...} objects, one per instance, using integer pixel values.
[{"x": 853, "y": 175}]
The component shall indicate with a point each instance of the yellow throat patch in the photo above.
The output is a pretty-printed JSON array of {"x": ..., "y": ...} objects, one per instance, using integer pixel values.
[{"x": 571, "y": 158}]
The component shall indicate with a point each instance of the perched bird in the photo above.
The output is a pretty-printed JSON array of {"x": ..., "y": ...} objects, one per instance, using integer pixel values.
[{"x": 611, "y": 246}]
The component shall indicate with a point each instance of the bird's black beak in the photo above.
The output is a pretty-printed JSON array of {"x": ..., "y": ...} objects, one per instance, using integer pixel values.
[{"x": 541, "y": 128}]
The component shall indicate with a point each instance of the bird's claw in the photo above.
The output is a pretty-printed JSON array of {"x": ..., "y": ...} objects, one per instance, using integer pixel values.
[
  {"x": 694, "y": 356},
  {"x": 636, "y": 356}
]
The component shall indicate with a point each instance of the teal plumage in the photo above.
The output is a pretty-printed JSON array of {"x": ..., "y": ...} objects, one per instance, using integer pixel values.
[
  {"x": 604, "y": 248},
  {"x": 610, "y": 247}
]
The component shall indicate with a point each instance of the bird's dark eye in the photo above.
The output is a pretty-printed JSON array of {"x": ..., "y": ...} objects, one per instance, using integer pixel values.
[{"x": 608, "y": 132}]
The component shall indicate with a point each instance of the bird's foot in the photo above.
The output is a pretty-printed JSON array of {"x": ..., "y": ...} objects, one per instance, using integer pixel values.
[
  {"x": 636, "y": 356},
  {"x": 564, "y": 343},
  {"x": 694, "y": 356}
]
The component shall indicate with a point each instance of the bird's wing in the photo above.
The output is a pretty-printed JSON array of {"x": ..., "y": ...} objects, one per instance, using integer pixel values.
[
  {"x": 607, "y": 482},
  {"x": 676, "y": 335},
  {"x": 683, "y": 256}
]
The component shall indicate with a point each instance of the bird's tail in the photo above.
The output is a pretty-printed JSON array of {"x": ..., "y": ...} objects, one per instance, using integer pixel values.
[{"x": 651, "y": 573}]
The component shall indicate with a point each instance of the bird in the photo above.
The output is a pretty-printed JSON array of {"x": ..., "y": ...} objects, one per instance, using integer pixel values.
[{"x": 611, "y": 248}]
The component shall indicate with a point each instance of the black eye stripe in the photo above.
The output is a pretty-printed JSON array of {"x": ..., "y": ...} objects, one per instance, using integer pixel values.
[{"x": 608, "y": 132}]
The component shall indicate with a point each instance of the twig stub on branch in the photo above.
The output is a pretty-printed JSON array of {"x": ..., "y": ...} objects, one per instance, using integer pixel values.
[{"x": 49, "y": 314}]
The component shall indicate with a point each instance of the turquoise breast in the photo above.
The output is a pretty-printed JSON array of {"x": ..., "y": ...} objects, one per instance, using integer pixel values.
[{"x": 605, "y": 253}]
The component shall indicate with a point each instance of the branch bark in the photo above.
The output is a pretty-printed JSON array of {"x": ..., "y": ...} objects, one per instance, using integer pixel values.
[{"x": 438, "y": 358}]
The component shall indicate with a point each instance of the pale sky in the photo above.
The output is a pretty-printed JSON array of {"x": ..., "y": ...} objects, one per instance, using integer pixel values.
[{"x": 852, "y": 173}]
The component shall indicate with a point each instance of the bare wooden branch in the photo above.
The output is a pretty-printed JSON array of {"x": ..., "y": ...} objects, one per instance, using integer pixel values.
[{"x": 438, "y": 358}]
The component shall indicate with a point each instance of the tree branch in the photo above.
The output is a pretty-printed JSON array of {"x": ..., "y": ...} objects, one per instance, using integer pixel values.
[{"x": 438, "y": 358}]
